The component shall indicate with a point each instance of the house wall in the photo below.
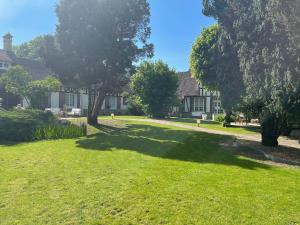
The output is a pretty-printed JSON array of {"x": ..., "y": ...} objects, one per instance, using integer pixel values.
[
  {"x": 208, "y": 104},
  {"x": 58, "y": 100},
  {"x": 209, "y": 108},
  {"x": 54, "y": 100}
]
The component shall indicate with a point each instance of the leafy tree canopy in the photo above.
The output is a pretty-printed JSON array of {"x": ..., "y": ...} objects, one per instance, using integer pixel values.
[
  {"x": 30, "y": 50},
  {"x": 96, "y": 43},
  {"x": 265, "y": 35},
  {"x": 18, "y": 82},
  {"x": 155, "y": 85},
  {"x": 215, "y": 64}
]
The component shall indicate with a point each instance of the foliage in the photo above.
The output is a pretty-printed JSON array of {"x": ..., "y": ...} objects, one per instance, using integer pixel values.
[
  {"x": 262, "y": 32},
  {"x": 39, "y": 88},
  {"x": 96, "y": 43},
  {"x": 18, "y": 82},
  {"x": 30, "y": 125},
  {"x": 219, "y": 118},
  {"x": 20, "y": 125},
  {"x": 143, "y": 174},
  {"x": 59, "y": 131},
  {"x": 30, "y": 50},
  {"x": 155, "y": 86},
  {"x": 215, "y": 64},
  {"x": 135, "y": 107},
  {"x": 15, "y": 81},
  {"x": 252, "y": 109}
]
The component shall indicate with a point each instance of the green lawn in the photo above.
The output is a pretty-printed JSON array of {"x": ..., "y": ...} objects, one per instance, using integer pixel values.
[
  {"x": 212, "y": 125},
  {"x": 142, "y": 173}
]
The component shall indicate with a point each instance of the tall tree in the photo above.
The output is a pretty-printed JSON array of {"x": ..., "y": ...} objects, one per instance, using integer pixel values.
[
  {"x": 215, "y": 63},
  {"x": 155, "y": 86},
  {"x": 30, "y": 49},
  {"x": 96, "y": 44},
  {"x": 18, "y": 82},
  {"x": 263, "y": 35}
]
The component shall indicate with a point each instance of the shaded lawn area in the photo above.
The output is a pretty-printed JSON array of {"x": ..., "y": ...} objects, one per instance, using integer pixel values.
[
  {"x": 212, "y": 125},
  {"x": 142, "y": 173}
]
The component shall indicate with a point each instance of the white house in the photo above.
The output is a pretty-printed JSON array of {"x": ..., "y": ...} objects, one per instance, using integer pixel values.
[
  {"x": 66, "y": 98},
  {"x": 196, "y": 100}
]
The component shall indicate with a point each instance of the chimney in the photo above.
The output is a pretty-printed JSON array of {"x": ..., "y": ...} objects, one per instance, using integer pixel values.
[{"x": 7, "y": 42}]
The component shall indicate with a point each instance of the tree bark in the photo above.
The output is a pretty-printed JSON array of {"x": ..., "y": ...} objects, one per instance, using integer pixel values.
[{"x": 96, "y": 99}]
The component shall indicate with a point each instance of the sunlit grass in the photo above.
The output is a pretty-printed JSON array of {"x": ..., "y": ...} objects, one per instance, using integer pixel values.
[
  {"x": 212, "y": 125},
  {"x": 142, "y": 173}
]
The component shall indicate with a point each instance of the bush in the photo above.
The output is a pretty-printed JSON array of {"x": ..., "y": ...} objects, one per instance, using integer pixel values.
[
  {"x": 135, "y": 106},
  {"x": 220, "y": 118},
  {"x": 29, "y": 125},
  {"x": 58, "y": 131}
]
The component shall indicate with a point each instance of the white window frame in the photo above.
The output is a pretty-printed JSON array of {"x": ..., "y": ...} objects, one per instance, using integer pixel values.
[
  {"x": 69, "y": 100},
  {"x": 217, "y": 105},
  {"x": 199, "y": 104}
]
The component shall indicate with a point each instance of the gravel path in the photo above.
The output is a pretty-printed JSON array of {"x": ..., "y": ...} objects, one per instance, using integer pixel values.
[{"x": 283, "y": 141}]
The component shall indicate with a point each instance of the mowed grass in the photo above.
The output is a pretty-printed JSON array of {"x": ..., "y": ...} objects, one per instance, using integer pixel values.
[
  {"x": 142, "y": 173},
  {"x": 212, "y": 125},
  {"x": 209, "y": 125}
]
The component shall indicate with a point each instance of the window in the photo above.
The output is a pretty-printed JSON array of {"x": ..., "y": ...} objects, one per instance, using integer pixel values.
[
  {"x": 217, "y": 106},
  {"x": 112, "y": 102},
  {"x": 1, "y": 65},
  {"x": 125, "y": 101},
  {"x": 69, "y": 100},
  {"x": 199, "y": 104}
]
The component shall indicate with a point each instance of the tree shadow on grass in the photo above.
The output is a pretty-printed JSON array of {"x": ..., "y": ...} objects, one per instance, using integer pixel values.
[
  {"x": 167, "y": 143},
  {"x": 8, "y": 143}
]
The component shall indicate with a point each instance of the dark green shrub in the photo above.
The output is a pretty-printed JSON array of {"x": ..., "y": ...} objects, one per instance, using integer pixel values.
[
  {"x": 29, "y": 125},
  {"x": 20, "y": 125}
]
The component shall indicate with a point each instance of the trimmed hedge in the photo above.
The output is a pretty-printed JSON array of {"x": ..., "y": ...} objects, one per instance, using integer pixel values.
[{"x": 30, "y": 125}]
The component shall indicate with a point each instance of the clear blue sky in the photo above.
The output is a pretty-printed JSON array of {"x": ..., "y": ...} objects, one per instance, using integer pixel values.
[{"x": 175, "y": 25}]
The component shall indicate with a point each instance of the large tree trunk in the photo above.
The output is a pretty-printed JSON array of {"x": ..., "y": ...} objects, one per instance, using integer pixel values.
[
  {"x": 96, "y": 99},
  {"x": 270, "y": 131}
]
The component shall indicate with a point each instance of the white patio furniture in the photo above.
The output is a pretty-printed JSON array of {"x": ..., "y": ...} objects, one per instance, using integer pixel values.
[
  {"x": 75, "y": 112},
  {"x": 55, "y": 111}
]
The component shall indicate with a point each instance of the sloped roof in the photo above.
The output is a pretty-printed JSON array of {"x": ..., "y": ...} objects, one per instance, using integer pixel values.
[
  {"x": 35, "y": 68},
  {"x": 188, "y": 86},
  {"x": 4, "y": 56}
]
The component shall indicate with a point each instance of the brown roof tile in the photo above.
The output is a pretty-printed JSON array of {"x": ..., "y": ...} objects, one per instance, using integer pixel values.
[
  {"x": 188, "y": 86},
  {"x": 35, "y": 68}
]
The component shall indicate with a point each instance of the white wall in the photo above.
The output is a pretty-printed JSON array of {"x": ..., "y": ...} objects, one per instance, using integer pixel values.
[
  {"x": 54, "y": 100},
  {"x": 84, "y": 101},
  {"x": 208, "y": 100}
]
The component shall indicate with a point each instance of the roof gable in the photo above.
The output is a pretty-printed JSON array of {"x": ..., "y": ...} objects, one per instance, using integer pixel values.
[{"x": 188, "y": 86}]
